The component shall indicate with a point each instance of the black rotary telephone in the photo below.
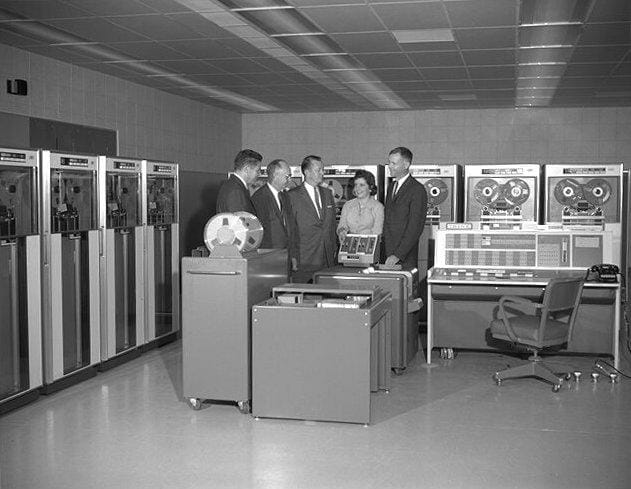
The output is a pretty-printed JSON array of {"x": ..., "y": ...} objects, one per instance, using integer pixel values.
[{"x": 603, "y": 273}]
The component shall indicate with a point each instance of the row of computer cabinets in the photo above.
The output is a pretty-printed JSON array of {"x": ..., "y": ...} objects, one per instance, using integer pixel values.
[{"x": 89, "y": 266}]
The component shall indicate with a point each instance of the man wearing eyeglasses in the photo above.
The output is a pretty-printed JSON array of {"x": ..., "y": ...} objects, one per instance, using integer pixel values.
[{"x": 270, "y": 204}]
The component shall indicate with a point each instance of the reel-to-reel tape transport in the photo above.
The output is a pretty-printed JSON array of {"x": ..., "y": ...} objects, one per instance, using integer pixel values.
[
  {"x": 583, "y": 194},
  {"x": 442, "y": 184},
  {"x": 501, "y": 196},
  {"x": 586, "y": 195}
]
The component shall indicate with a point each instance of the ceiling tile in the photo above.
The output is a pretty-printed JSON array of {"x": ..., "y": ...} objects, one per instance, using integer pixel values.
[
  {"x": 613, "y": 33},
  {"x": 494, "y": 94},
  {"x": 404, "y": 74},
  {"x": 611, "y": 11},
  {"x": 375, "y": 42},
  {"x": 165, "y": 6},
  {"x": 622, "y": 69},
  {"x": 239, "y": 65},
  {"x": 111, "y": 7},
  {"x": 352, "y": 18},
  {"x": 430, "y": 46},
  {"x": 581, "y": 82},
  {"x": 156, "y": 27},
  {"x": 549, "y": 35},
  {"x": 622, "y": 82},
  {"x": 505, "y": 83},
  {"x": 450, "y": 84},
  {"x": 598, "y": 54},
  {"x": 187, "y": 66},
  {"x": 68, "y": 55},
  {"x": 12, "y": 39},
  {"x": 403, "y": 86},
  {"x": 200, "y": 25},
  {"x": 264, "y": 78},
  {"x": 435, "y": 59},
  {"x": 587, "y": 69},
  {"x": 146, "y": 50},
  {"x": 444, "y": 73},
  {"x": 203, "y": 49},
  {"x": 43, "y": 9},
  {"x": 544, "y": 55},
  {"x": 222, "y": 80},
  {"x": 492, "y": 72},
  {"x": 425, "y": 15},
  {"x": 534, "y": 71},
  {"x": 490, "y": 38},
  {"x": 482, "y": 13},
  {"x": 242, "y": 47},
  {"x": 393, "y": 60},
  {"x": 96, "y": 29},
  {"x": 489, "y": 57}
]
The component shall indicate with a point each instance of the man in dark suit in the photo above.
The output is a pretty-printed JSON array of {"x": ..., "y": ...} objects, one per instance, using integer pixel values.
[
  {"x": 234, "y": 193},
  {"x": 406, "y": 208},
  {"x": 311, "y": 223},
  {"x": 269, "y": 202}
]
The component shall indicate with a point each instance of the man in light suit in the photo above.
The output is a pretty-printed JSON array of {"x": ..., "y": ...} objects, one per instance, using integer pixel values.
[
  {"x": 269, "y": 202},
  {"x": 311, "y": 223},
  {"x": 406, "y": 208},
  {"x": 234, "y": 193}
]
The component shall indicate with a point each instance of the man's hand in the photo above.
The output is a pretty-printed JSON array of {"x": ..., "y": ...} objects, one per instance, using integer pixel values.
[
  {"x": 392, "y": 260},
  {"x": 294, "y": 265}
]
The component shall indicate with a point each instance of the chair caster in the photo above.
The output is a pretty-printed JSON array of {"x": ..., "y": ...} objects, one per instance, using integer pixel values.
[
  {"x": 447, "y": 353},
  {"x": 556, "y": 387},
  {"x": 497, "y": 379},
  {"x": 244, "y": 407},
  {"x": 195, "y": 403}
]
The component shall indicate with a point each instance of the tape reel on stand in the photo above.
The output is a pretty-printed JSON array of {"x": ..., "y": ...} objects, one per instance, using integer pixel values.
[
  {"x": 241, "y": 230},
  {"x": 486, "y": 191},
  {"x": 515, "y": 192},
  {"x": 597, "y": 191},
  {"x": 437, "y": 191}
]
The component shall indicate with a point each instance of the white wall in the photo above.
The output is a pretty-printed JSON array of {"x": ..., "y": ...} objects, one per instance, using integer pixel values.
[
  {"x": 150, "y": 123},
  {"x": 536, "y": 135}
]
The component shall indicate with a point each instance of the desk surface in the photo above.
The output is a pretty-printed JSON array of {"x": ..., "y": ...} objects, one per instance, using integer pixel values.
[{"x": 505, "y": 276}]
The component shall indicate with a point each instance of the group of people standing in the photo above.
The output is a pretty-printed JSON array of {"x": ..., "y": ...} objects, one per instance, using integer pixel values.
[{"x": 303, "y": 219}]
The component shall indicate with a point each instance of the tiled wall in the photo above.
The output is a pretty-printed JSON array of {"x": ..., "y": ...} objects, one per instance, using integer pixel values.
[
  {"x": 150, "y": 123},
  {"x": 446, "y": 136}
]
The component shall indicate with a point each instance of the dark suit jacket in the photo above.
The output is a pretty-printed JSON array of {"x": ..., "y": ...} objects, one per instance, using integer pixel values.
[
  {"x": 404, "y": 221},
  {"x": 274, "y": 229},
  {"x": 234, "y": 197},
  {"x": 312, "y": 241}
]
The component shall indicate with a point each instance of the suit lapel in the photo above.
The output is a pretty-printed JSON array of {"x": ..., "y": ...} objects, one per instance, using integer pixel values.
[{"x": 309, "y": 203}]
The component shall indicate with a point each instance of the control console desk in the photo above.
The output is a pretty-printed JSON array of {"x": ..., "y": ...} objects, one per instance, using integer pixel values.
[{"x": 475, "y": 268}]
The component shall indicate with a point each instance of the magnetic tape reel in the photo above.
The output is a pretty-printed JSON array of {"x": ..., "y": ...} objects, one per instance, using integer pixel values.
[
  {"x": 597, "y": 191},
  {"x": 515, "y": 192},
  {"x": 486, "y": 191},
  {"x": 437, "y": 191},
  {"x": 568, "y": 192},
  {"x": 240, "y": 229},
  {"x": 339, "y": 194}
]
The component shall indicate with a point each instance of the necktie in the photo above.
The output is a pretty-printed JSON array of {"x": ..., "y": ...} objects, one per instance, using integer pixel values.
[
  {"x": 318, "y": 203},
  {"x": 394, "y": 188}
]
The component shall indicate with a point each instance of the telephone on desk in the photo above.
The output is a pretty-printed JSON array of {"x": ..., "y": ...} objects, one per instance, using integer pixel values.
[{"x": 603, "y": 273}]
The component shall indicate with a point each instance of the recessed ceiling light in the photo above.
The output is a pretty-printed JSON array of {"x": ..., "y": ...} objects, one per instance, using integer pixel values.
[{"x": 423, "y": 35}]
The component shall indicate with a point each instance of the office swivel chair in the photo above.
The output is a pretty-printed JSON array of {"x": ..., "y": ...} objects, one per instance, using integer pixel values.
[{"x": 550, "y": 326}]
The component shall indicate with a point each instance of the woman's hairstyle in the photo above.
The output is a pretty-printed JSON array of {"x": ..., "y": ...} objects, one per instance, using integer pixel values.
[{"x": 368, "y": 177}]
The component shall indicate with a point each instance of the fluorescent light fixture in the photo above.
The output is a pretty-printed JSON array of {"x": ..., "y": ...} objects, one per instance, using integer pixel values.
[
  {"x": 546, "y": 24},
  {"x": 296, "y": 34},
  {"x": 548, "y": 46},
  {"x": 423, "y": 35},
  {"x": 315, "y": 55},
  {"x": 254, "y": 9}
]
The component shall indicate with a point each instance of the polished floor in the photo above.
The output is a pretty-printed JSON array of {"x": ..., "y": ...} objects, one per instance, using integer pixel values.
[{"x": 448, "y": 426}]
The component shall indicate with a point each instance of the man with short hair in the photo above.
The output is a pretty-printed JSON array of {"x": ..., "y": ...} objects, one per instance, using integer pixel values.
[
  {"x": 311, "y": 223},
  {"x": 234, "y": 193},
  {"x": 406, "y": 208},
  {"x": 270, "y": 202}
]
